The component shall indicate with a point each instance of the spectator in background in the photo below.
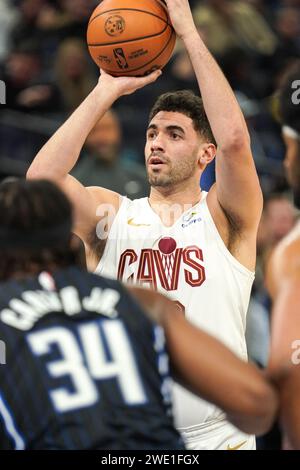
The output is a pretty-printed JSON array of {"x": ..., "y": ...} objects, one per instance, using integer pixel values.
[
  {"x": 287, "y": 26},
  {"x": 31, "y": 94},
  {"x": 242, "y": 41},
  {"x": 278, "y": 219},
  {"x": 102, "y": 166},
  {"x": 8, "y": 16},
  {"x": 74, "y": 73},
  {"x": 229, "y": 25},
  {"x": 70, "y": 19},
  {"x": 26, "y": 28},
  {"x": 49, "y": 22},
  {"x": 27, "y": 88}
]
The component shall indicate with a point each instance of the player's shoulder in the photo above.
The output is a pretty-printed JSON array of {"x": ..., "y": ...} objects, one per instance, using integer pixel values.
[
  {"x": 288, "y": 249},
  {"x": 284, "y": 261},
  {"x": 105, "y": 196},
  {"x": 134, "y": 207}
]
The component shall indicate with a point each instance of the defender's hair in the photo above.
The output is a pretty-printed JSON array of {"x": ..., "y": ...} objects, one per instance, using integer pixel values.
[{"x": 34, "y": 207}]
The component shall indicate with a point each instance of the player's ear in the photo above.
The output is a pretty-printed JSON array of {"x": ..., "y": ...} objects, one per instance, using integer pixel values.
[{"x": 207, "y": 153}]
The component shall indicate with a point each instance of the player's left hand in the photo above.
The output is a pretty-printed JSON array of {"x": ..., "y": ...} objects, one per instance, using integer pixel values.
[
  {"x": 125, "y": 85},
  {"x": 181, "y": 17}
]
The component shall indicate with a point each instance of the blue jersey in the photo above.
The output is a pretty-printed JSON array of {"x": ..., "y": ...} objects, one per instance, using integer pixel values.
[{"x": 85, "y": 367}]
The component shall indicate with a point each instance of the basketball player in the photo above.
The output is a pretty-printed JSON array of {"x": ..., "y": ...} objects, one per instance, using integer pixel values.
[
  {"x": 196, "y": 247},
  {"x": 86, "y": 367},
  {"x": 283, "y": 272}
]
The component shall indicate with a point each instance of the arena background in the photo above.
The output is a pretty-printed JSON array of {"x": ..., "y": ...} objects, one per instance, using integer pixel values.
[{"x": 47, "y": 72}]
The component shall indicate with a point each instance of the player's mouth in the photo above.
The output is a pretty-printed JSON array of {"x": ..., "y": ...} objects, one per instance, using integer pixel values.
[{"x": 155, "y": 162}]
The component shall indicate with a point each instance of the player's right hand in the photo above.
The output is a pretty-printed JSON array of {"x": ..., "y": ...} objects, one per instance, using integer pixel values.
[
  {"x": 181, "y": 17},
  {"x": 126, "y": 85}
]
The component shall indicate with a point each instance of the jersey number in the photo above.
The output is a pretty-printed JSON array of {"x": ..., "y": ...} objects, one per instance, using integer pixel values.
[{"x": 86, "y": 364}]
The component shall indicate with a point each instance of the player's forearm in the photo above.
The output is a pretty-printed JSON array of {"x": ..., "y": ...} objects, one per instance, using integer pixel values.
[
  {"x": 222, "y": 109},
  {"x": 290, "y": 408},
  {"x": 200, "y": 361},
  {"x": 59, "y": 155},
  {"x": 259, "y": 409}
]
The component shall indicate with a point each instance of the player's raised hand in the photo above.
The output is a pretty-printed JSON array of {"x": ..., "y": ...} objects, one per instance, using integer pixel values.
[
  {"x": 126, "y": 85},
  {"x": 181, "y": 17}
]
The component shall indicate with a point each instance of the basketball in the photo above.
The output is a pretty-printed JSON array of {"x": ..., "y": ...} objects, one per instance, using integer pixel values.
[{"x": 130, "y": 37}]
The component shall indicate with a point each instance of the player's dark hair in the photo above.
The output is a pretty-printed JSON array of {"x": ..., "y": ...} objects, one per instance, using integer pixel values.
[
  {"x": 189, "y": 104},
  {"x": 39, "y": 218}
]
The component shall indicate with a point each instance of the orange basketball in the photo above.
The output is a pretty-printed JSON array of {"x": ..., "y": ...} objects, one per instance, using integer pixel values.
[{"x": 130, "y": 37}]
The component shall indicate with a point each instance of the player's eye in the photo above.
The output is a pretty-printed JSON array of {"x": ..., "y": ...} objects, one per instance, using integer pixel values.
[
  {"x": 150, "y": 135},
  {"x": 175, "y": 136}
]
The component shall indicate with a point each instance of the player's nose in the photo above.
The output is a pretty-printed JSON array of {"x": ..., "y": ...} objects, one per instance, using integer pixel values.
[{"x": 157, "y": 144}]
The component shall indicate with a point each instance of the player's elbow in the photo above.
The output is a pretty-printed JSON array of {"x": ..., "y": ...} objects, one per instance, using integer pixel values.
[
  {"x": 265, "y": 406},
  {"x": 36, "y": 171},
  {"x": 237, "y": 142},
  {"x": 289, "y": 386},
  {"x": 290, "y": 423},
  {"x": 33, "y": 174},
  {"x": 259, "y": 405}
]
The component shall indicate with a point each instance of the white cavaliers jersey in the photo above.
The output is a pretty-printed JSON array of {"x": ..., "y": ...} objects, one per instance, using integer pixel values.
[{"x": 190, "y": 264}]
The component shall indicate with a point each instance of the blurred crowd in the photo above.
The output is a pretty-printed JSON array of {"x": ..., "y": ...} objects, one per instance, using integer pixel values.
[{"x": 47, "y": 70}]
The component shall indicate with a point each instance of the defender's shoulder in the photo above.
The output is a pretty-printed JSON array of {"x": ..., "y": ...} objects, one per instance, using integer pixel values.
[{"x": 284, "y": 261}]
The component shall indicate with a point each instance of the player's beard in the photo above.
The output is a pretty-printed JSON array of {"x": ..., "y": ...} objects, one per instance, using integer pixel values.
[{"x": 171, "y": 175}]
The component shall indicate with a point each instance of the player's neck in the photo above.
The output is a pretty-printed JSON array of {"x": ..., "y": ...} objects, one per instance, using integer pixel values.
[{"x": 175, "y": 195}]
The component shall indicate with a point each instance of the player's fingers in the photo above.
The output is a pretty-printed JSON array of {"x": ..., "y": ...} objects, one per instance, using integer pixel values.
[
  {"x": 102, "y": 72},
  {"x": 149, "y": 78}
]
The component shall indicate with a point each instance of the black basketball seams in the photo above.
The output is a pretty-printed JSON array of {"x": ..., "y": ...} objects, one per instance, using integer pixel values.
[
  {"x": 116, "y": 73},
  {"x": 165, "y": 20},
  {"x": 128, "y": 40}
]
